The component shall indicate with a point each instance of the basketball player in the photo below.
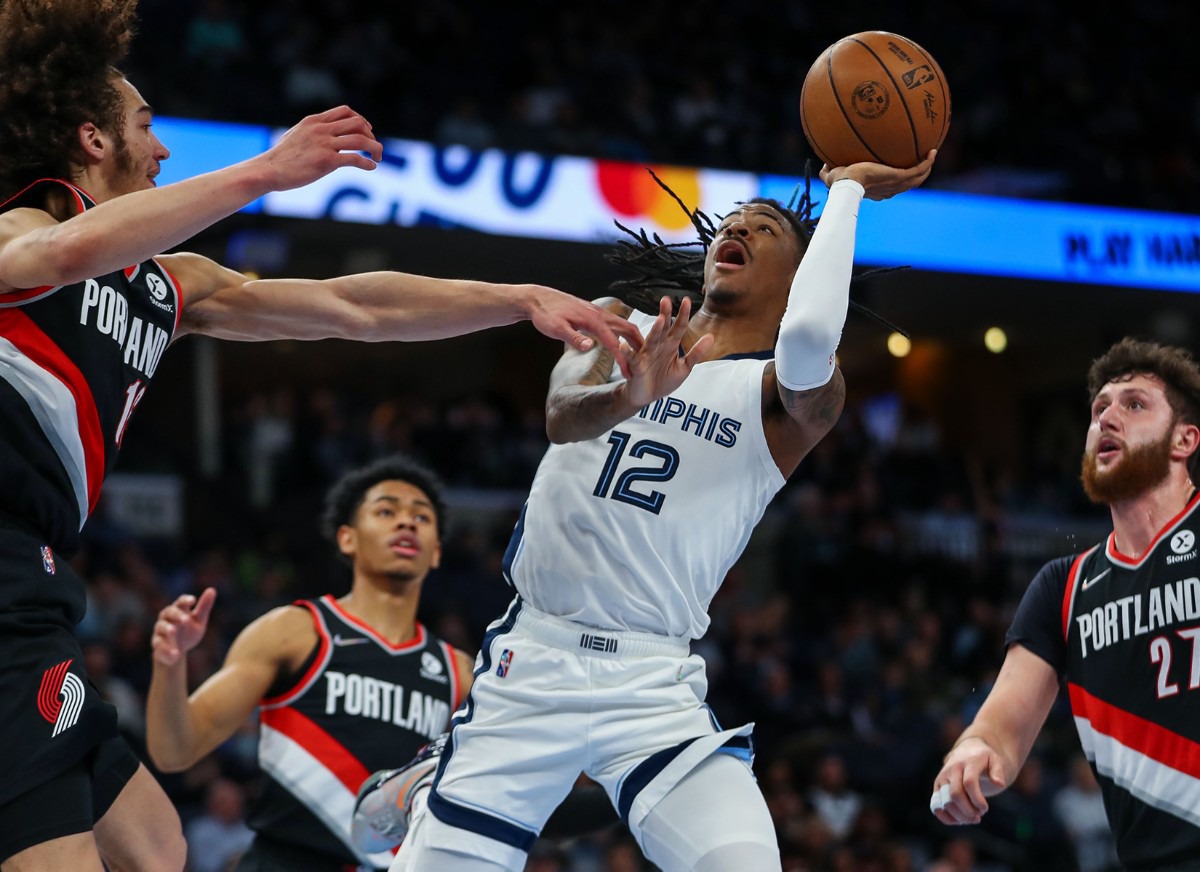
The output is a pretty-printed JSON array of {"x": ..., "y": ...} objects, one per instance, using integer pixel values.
[
  {"x": 644, "y": 501},
  {"x": 86, "y": 311},
  {"x": 343, "y": 685},
  {"x": 1120, "y": 623}
]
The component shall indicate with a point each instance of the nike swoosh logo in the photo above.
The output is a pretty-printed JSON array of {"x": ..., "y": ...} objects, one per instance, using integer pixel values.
[
  {"x": 1096, "y": 578},
  {"x": 341, "y": 643}
]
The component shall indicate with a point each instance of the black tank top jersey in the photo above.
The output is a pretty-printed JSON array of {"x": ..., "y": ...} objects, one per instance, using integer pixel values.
[
  {"x": 74, "y": 362},
  {"x": 1124, "y": 633},
  {"x": 358, "y": 705}
]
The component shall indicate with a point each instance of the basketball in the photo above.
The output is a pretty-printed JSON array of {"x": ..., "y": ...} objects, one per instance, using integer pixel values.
[{"x": 874, "y": 96}]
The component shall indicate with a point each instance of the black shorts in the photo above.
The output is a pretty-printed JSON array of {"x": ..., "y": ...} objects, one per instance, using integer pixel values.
[
  {"x": 70, "y": 802},
  {"x": 51, "y": 716}
]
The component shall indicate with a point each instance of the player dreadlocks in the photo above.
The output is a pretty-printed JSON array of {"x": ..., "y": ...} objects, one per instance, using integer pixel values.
[{"x": 677, "y": 269}]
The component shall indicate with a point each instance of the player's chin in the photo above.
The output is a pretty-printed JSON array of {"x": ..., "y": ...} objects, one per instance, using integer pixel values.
[{"x": 401, "y": 574}]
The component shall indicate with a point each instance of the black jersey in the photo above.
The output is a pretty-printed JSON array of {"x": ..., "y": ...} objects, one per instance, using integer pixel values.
[
  {"x": 1124, "y": 634},
  {"x": 360, "y": 704},
  {"x": 74, "y": 362}
]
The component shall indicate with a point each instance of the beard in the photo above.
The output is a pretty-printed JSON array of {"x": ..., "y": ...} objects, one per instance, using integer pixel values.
[
  {"x": 1142, "y": 467},
  {"x": 122, "y": 174}
]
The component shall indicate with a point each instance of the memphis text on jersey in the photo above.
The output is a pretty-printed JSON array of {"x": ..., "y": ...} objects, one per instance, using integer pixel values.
[{"x": 705, "y": 423}]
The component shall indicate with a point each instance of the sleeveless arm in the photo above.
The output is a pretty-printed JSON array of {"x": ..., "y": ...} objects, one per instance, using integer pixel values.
[
  {"x": 182, "y": 729},
  {"x": 137, "y": 226},
  {"x": 378, "y": 307}
]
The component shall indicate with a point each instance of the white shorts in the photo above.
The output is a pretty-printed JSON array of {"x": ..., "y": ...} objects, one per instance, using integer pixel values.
[{"x": 552, "y": 699}]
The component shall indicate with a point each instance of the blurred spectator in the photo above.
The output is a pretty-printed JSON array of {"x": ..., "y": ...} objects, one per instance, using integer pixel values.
[
  {"x": 832, "y": 799},
  {"x": 1080, "y": 807},
  {"x": 652, "y": 84},
  {"x": 131, "y": 710},
  {"x": 218, "y": 837},
  {"x": 1023, "y": 818}
]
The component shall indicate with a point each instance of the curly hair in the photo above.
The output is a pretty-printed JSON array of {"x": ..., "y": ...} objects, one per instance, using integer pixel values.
[
  {"x": 1176, "y": 367},
  {"x": 347, "y": 494},
  {"x": 677, "y": 269},
  {"x": 58, "y": 62}
]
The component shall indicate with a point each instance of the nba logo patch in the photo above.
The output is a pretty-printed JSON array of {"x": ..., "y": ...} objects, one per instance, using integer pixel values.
[
  {"x": 505, "y": 662},
  {"x": 47, "y": 560}
]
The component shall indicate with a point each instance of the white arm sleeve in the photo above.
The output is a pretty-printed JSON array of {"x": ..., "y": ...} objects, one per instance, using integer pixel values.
[{"x": 816, "y": 311}]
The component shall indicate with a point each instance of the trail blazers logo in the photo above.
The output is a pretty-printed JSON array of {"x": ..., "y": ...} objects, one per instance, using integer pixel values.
[{"x": 60, "y": 698}]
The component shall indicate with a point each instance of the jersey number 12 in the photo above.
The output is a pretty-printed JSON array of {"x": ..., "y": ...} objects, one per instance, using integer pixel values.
[{"x": 623, "y": 490}]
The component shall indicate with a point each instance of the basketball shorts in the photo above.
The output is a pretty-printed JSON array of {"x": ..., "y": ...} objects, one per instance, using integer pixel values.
[
  {"x": 70, "y": 802},
  {"x": 50, "y": 714},
  {"x": 553, "y": 698}
]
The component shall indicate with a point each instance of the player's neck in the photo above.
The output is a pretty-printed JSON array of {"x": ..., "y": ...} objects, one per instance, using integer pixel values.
[
  {"x": 389, "y": 608},
  {"x": 732, "y": 335},
  {"x": 1136, "y": 522}
]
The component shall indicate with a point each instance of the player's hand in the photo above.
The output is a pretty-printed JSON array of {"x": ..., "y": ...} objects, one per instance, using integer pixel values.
[
  {"x": 972, "y": 772},
  {"x": 580, "y": 324},
  {"x": 320, "y": 144},
  {"x": 880, "y": 181},
  {"x": 657, "y": 368},
  {"x": 181, "y": 626}
]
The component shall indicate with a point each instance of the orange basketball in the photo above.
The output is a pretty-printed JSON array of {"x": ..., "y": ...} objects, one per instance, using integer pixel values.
[{"x": 875, "y": 96}]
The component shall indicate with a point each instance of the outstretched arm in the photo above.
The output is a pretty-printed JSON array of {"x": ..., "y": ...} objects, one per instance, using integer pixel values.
[
  {"x": 181, "y": 729},
  {"x": 134, "y": 227},
  {"x": 583, "y": 403},
  {"x": 378, "y": 306},
  {"x": 803, "y": 393},
  {"x": 990, "y": 752}
]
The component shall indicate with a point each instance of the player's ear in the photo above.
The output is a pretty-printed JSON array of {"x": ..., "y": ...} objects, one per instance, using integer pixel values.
[
  {"x": 347, "y": 540},
  {"x": 1187, "y": 439},
  {"x": 437, "y": 556},
  {"x": 92, "y": 140}
]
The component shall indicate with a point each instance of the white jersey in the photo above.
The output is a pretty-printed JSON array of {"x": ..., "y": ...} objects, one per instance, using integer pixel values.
[{"x": 636, "y": 529}]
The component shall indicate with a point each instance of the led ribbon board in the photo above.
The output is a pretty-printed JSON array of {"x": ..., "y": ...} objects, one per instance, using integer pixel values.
[{"x": 579, "y": 199}]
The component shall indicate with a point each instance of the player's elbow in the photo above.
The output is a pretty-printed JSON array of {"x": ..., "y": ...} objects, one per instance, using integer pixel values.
[
  {"x": 563, "y": 424},
  {"x": 167, "y": 756},
  {"x": 557, "y": 431}
]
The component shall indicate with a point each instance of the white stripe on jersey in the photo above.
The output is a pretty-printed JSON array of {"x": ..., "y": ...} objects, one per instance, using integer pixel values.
[
  {"x": 289, "y": 763},
  {"x": 53, "y": 405},
  {"x": 1154, "y": 783}
]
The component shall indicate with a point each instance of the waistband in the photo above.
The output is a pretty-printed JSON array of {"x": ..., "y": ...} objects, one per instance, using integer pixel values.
[{"x": 613, "y": 644}]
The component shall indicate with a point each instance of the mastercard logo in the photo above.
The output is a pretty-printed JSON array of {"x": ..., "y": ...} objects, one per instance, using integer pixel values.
[{"x": 631, "y": 192}]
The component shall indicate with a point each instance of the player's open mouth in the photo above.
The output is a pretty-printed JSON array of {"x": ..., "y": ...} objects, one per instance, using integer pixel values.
[
  {"x": 730, "y": 253},
  {"x": 405, "y": 546},
  {"x": 1107, "y": 448}
]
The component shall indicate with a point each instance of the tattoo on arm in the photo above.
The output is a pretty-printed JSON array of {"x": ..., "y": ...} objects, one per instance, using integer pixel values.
[
  {"x": 598, "y": 373},
  {"x": 819, "y": 407}
]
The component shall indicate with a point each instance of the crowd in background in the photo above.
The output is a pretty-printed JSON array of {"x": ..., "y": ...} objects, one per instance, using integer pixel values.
[
  {"x": 859, "y": 631},
  {"x": 1046, "y": 102},
  {"x": 866, "y": 621}
]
